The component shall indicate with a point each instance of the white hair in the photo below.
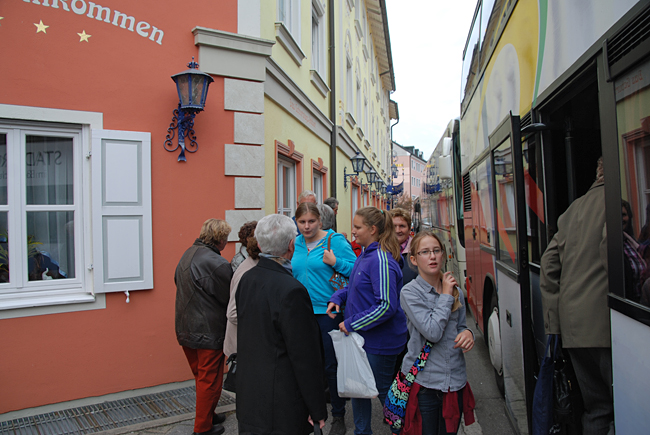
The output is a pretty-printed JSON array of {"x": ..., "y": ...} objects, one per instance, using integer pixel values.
[
  {"x": 274, "y": 233},
  {"x": 326, "y": 216},
  {"x": 306, "y": 194}
]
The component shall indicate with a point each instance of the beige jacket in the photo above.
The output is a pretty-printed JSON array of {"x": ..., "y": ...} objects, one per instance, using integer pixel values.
[
  {"x": 230, "y": 342},
  {"x": 573, "y": 281}
]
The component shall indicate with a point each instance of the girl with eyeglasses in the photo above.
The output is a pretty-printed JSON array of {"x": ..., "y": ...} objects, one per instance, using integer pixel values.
[
  {"x": 371, "y": 302},
  {"x": 435, "y": 312}
]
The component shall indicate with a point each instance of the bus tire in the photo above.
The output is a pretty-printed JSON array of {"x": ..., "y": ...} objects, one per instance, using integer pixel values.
[{"x": 494, "y": 342}]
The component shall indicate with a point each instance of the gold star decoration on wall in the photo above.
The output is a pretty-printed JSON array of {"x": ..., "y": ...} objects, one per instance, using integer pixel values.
[
  {"x": 83, "y": 36},
  {"x": 40, "y": 27}
]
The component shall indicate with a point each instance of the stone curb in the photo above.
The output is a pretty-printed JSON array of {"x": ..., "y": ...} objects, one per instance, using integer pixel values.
[{"x": 161, "y": 422}]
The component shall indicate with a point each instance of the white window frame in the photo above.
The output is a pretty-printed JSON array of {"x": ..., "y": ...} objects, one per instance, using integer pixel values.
[
  {"x": 286, "y": 163},
  {"x": 20, "y": 292},
  {"x": 289, "y": 15},
  {"x": 359, "y": 102},
  {"x": 317, "y": 185},
  {"x": 349, "y": 84},
  {"x": 355, "y": 199},
  {"x": 318, "y": 49}
]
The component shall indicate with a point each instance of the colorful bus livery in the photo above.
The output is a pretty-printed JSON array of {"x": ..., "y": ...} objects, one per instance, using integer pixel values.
[{"x": 547, "y": 88}]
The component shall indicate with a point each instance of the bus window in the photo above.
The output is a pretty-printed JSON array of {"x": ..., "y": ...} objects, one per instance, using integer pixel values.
[
  {"x": 633, "y": 124},
  {"x": 470, "y": 60},
  {"x": 458, "y": 187},
  {"x": 505, "y": 203},
  {"x": 489, "y": 24},
  {"x": 486, "y": 228},
  {"x": 535, "y": 216}
]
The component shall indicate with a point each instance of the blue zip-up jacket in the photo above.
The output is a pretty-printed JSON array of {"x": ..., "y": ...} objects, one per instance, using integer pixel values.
[
  {"x": 371, "y": 302},
  {"x": 309, "y": 269}
]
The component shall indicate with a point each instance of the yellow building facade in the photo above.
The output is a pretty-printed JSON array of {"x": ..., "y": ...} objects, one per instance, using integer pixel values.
[{"x": 326, "y": 97}]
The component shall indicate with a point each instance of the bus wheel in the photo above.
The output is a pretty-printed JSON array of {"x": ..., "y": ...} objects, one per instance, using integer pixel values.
[{"x": 494, "y": 343}]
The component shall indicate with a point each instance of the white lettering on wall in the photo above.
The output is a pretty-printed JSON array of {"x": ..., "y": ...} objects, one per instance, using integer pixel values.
[
  {"x": 98, "y": 15},
  {"x": 55, "y": 4},
  {"x": 103, "y": 13},
  {"x": 76, "y": 9},
  {"x": 118, "y": 14},
  {"x": 141, "y": 27}
]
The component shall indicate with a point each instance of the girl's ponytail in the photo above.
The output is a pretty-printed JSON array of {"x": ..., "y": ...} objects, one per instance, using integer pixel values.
[{"x": 387, "y": 238}]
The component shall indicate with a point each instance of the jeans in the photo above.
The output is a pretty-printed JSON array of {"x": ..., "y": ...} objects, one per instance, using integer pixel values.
[
  {"x": 326, "y": 324},
  {"x": 383, "y": 367},
  {"x": 430, "y": 405}
]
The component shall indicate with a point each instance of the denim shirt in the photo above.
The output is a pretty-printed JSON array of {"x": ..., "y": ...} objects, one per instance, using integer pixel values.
[{"x": 429, "y": 317}]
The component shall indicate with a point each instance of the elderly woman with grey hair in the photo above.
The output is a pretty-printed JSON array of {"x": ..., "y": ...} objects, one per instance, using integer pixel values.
[
  {"x": 280, "y": 385},
  {"x": 326, "y": 216}
]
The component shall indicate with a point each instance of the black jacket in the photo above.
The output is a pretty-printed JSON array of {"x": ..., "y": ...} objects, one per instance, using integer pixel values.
[
  {"x": 408, "y": 274},
  {"x": 279, "y": 364},
  {"x": 202, "y": 293}
]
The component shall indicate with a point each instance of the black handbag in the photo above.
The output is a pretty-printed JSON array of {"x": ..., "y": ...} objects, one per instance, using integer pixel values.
[
  {"x": 567, "y": 399},
  {"x": 231, "y": 376}
]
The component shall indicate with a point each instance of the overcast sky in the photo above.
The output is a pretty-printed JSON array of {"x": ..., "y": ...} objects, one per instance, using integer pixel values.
[{"x": 427, "y": 41}]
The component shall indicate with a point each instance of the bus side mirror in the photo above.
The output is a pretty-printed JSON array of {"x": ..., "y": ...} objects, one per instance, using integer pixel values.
[{"x": 444, "y": 167}]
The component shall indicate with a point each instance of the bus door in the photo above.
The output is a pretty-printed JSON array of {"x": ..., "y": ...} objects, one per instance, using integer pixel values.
[
  {"x": 571, "y": 143},
  {"x": 512, "y": 279}
]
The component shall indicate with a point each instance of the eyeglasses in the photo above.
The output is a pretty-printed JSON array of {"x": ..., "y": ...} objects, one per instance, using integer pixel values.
[{"x": 428, "y": 252}]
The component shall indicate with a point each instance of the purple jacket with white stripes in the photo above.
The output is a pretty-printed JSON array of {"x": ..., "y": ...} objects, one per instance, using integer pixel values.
[{"x": 371, "y": 302}]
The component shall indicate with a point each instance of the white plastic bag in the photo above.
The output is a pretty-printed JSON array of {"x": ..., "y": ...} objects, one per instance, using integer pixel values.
[{"x": 354, "y": 376}]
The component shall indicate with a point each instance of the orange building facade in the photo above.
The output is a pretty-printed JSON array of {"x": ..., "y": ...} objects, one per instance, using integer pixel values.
[{"x": 85, "y": 105}]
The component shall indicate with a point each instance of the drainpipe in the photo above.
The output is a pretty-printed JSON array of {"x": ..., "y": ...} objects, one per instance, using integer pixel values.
[
  {"x": 333, "y": 112},
  {"x": 392, "y": 198}
]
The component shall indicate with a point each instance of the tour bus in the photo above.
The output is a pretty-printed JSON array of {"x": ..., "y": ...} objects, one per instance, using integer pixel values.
[
  {"x": 547, "y": 88},
  {"x": 442, "y": 199}
]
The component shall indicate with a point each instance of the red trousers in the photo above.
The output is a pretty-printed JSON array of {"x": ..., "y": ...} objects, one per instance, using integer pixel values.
[{"x": 207, "y": 367}]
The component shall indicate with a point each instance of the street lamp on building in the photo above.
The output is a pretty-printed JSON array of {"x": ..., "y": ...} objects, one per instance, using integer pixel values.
[
  {"x": 192, "y": 87},
  {"x": 358, "y": 162}
]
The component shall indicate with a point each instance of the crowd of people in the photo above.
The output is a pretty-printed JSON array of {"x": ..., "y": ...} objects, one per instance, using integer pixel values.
[{"x": 292, "y": 281}]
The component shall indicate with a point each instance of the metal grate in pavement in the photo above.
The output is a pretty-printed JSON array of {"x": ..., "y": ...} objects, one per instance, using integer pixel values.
[{"x": 109, "y": 415}]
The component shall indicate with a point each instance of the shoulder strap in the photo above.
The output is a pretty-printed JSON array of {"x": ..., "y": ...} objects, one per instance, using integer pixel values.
[
  {"x": 329, "y": 240},
  {"x": 419, "y": 362}
]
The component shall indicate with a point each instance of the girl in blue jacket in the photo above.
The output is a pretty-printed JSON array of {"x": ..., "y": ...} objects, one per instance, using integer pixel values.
[
  {"x": 313, "y": 264},
  {"x": 371, "y": 302}
]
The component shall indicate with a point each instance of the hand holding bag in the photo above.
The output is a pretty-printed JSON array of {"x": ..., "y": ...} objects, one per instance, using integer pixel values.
[
  {"x": 337, "y": 280},
  {"x": 557, "y": 402},
  {"x": 399, "y": 391},
  {"x": 354, "y": 376},
  {"x": 231, "y": 377}
]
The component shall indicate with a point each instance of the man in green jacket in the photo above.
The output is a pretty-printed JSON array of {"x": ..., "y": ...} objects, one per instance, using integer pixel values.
[{"x": 574, "y": 290}]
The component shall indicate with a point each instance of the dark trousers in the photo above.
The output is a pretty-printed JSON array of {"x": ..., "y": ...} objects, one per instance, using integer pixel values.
[
  {"x": 593, "y": 368},
  {"x": 327, "y": 324},
  {"x": 207, "y": 367},
  {"x": 430, "y": 406}
]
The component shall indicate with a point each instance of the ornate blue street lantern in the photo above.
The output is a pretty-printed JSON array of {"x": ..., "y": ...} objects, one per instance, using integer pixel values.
[{"x": 192, "y": 87}]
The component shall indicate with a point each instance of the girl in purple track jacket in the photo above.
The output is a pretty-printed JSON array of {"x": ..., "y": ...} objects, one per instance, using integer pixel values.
[{"x": 371, "y": 302}]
